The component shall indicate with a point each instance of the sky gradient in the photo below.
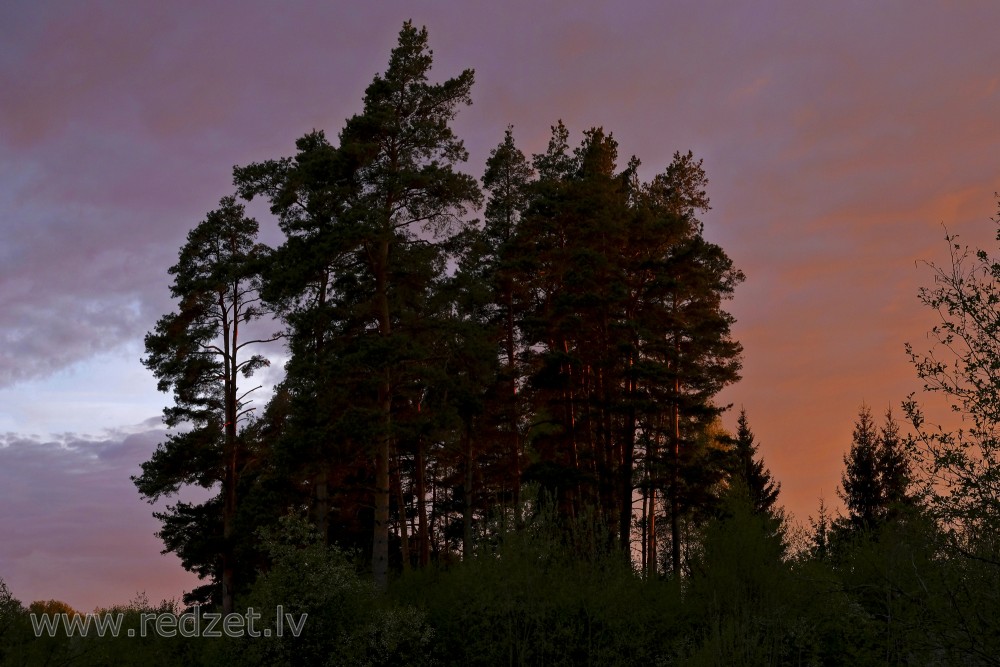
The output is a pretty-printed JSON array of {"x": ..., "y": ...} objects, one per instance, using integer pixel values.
[{"x": 838, "y": 138}]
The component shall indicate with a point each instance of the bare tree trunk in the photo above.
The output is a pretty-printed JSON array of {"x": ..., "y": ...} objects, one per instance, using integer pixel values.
[
  {"x": 469, "y": 481},
  {"x": 229, "y": 460},
  {"x": 651, "y": 507},
  {"x": 404, "y": 538},
  {"x": 322, "y": 511},
  {"x": 423, "y": 535},
  {"x": 625, "y": 482},
  {"x": 675, "y": 518},
  {"x": 380, "y": 537}
]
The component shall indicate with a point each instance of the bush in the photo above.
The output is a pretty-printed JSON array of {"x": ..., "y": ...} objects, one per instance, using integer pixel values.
[
  {"x": 540, "y": 595},
  {"x": 344, "y": 621}
]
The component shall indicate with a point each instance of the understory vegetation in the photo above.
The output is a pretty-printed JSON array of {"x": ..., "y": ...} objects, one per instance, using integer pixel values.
[
  {"x": 497, "y": 441},
  {"x": 538, "y": 596}
]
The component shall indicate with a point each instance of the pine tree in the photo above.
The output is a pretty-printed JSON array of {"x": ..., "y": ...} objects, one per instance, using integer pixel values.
[
  {"x": 200, "y": 353},
  {"x": 684, "y": 334},
  {"x": 375, "y": 205},
  {"x": 404, "y": 153},
  {"x": 315, "y": 282},
  {"x": 508, "y": 179},
  {"x": 626, "y": 336}
]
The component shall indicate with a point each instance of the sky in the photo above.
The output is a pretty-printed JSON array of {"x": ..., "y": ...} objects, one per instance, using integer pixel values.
[{"x": 840, "y": 140}]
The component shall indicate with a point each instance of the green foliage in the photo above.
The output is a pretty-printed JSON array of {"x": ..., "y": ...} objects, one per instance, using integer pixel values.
[
  {"x": 199, "y": 353},
  {"x": 346, "y": 621},
  {"x": 818, "y": 546},
  {"x": 761, "y": 487},
  {"x": 962, "y": 365},
  {"x": 877, "y": 478},
  {"x": 739, "y": 592},
  {"x": 359, "y": 281},
  {"x": 10, "y": 621},
  {"x": 861, "y": 479},
  {"x": 534, "y": 596}
]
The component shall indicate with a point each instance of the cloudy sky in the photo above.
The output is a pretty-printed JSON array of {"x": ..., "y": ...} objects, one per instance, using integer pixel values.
[{"x": 838, "y": 137}]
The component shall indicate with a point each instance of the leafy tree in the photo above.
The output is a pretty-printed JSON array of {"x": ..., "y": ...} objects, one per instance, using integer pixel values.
[
  {"x": 346, "y": 621},
  {"x": 962, "y": 365},
  {"x": 11, "y": 613},
  {"x": 199, "y": 352},
  {"x": 959, "y": 468}
]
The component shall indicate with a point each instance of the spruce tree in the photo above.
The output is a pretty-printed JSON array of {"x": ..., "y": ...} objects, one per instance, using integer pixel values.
[
  {"x": 894, "y": 468},
  {"x": 761, "y": 487},
  {"x": 876, "y": 480},
  {"x": 861, "y": 484}
]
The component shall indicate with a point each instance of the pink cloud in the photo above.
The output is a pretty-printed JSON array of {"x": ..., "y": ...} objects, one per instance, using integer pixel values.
[{"x": 75, "y": 528}]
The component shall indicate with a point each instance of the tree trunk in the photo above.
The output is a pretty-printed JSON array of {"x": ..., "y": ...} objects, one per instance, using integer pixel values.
[
  {"x": 404, "y": 537},
  {"x": 380, "y": 537},
  {"x": 230, "y": 463},
  {"x": 675, "y": 519},
  {"x": 423, "y": 535},
  {"x": 469, "y": 481},
  {"x": 625, "y": 481}
]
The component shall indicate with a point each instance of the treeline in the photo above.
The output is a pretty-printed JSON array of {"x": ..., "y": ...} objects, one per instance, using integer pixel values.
[
  {"x": 573, "y": 339},
  {"x": 497, "y": 441},
  {"x": 879, "y": 584}
]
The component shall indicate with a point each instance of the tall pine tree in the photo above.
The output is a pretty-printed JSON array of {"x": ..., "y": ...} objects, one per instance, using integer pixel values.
[
  {"x": 378, "y": 201},
  {"x": 200, "y": 353}
]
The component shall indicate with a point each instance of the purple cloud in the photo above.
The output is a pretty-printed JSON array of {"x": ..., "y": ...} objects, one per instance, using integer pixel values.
[{"x": 74, "y": 526}]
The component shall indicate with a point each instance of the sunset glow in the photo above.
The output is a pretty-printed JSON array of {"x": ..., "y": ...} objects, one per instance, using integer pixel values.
[{"x": 840, "y": 141}]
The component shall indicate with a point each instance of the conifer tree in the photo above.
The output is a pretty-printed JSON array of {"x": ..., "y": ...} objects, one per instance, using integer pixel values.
[
  {"x": 861, "y": 488},
  {"x": 385, "y": 194},
  {"x": 686, "y": 347},
  {"x": 896, "y": 477},
  {"x": 759, "y": 483},
  {"x": 403, "y": 152},
  {"x": 819, "y": 540},
  {"x": 508, "y": 179},
  {"x": 315, "y": 283},
  {"x": 876, "y": 479},
  {"x": 199, "y": 352}
]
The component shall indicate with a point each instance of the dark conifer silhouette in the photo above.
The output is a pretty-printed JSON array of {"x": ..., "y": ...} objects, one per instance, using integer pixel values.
[{"x": 760, "y": 484}]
